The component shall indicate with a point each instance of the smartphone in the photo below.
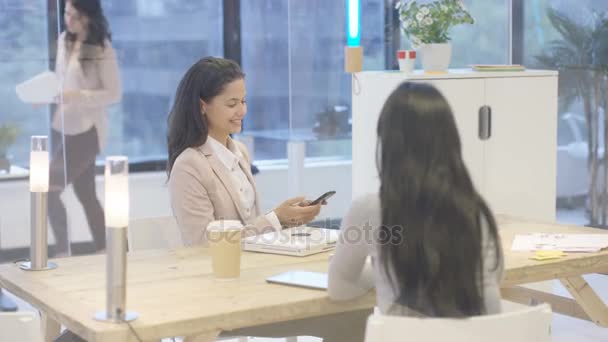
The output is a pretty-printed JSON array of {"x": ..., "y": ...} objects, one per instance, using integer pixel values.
[{"x": 323, "y": 197}]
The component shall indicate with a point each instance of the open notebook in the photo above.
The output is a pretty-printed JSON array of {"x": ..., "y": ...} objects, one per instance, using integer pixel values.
[{"x": 298, "y": 241}]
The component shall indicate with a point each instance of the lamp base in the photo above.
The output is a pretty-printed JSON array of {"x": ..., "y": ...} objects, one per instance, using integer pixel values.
[
  {"x": 27, "y": 266},
  {"x": 103, "y": 317}
]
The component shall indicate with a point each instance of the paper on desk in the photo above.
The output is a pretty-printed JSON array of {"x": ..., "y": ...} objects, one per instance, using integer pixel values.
[
  {"x": 42, "y": 88},
  {"x": 560, "y": 242}
]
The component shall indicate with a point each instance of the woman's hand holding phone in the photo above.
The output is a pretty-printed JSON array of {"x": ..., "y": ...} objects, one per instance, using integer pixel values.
[
  {"x": 323, "y": 198},
  {"x": 292, "y": 213},
  {"x": 298, "y": 211}
]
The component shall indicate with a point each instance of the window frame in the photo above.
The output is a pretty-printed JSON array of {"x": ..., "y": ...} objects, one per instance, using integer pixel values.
[{"x": 232, "y": 47}]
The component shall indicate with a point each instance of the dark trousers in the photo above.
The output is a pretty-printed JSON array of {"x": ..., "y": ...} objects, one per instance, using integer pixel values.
[{"x": 73, "y": 162}]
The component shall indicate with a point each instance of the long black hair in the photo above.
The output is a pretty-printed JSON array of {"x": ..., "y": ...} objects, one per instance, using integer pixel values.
[
  {"x": 98, "y": 31},
  {"x": 206, "y": 79},
  {"x": 427, "y": 194}
]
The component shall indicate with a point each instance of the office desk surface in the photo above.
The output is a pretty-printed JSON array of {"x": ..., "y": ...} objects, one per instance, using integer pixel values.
[
  {"x": 520, "y": 269},
  {"x": 176, "y": 295}
]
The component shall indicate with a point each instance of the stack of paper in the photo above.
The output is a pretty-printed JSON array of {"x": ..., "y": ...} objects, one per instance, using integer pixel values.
[
  {"x": 42, "y": 88},
  {"x": 560, "y": 242}
]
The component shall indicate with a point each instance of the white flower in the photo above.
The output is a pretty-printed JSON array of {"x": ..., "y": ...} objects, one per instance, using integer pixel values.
[
  {"x": 419, "y": 16},
  {"x": 398, "y": 5},
  {"x": 428, "y": 21},
  {"x": 416, "y": 42},
  {"x": 405, "y": 24},
  {"x": 444, "y": 8},
  {"x": 424, "y": 10}
]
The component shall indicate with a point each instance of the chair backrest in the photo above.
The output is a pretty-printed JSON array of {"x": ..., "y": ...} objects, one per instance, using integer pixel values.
[
  {"x": 23, "y": 326},
  {"x": 153, "y": 233},
  {"x": 530, "y": 324}
]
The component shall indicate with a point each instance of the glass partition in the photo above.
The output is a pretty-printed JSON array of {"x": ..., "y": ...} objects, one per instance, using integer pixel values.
[
  {"x": 24, "y": 53},
  {"x": 113, "y": 91}
]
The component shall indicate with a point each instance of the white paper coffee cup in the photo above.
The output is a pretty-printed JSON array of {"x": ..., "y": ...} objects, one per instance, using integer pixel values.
[{"x": 224, "y": 238}]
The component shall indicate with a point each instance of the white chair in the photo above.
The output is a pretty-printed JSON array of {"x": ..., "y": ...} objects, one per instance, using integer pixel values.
[
  {"x": 530, "y": 324},
  {"x": 22, "y": 326},
  {"x": 153, "y": 233}
]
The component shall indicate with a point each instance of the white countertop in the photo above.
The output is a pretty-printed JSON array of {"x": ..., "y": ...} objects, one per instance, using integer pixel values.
[{"x": 457, "y": 74}]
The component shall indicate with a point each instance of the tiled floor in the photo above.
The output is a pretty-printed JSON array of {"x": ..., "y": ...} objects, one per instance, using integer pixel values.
[{"x": 569, "y": 329}]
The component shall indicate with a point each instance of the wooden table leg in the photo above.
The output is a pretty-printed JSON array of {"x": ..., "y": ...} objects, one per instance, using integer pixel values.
[
  {"x": 591, "y": 303},
  {"x": 559, "y": 304},
  {"x": 50, "y": 328}
]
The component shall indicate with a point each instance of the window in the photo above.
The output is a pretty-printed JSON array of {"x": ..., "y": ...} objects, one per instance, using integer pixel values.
[
  {"x": 576, "y": 51},
  {"x": 293, "y": 54},
  {"x": 485, "y": 42},
  {"x": 23, "y": 54},
  {"x": 156, "y": 42}
]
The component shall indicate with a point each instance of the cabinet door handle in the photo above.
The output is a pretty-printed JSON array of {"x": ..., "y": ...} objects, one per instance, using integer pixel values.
[{"x": 485, "y": 122}]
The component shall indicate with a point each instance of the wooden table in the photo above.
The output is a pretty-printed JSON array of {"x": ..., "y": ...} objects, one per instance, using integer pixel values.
[
  {"x": 520, "y": 269},
  {"x": 175, "y": 294}
]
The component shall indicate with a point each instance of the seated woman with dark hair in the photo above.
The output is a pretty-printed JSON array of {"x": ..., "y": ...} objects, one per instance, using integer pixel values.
[
  {"x": 209, "y": 172},
  {"x": 432, "y": 239},
  {"x": 210, "y": 179}
]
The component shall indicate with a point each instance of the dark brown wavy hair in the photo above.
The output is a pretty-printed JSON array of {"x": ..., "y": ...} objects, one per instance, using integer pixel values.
[
  {"x": 206, "y": 79},
  {"x": 98, "y": 31}
]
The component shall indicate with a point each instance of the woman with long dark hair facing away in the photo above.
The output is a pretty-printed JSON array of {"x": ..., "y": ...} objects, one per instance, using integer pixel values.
[
  {"x": 209, "y": 172},
  {"x": 87, "y": 68},
  {"x": 432, "y": 239}
]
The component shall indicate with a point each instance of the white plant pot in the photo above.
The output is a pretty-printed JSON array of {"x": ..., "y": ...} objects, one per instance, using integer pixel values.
[{"x": 436, "y": 57}]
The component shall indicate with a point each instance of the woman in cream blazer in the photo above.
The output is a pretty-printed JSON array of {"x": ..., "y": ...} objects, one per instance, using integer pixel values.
[{"x": 209, "y": 173}]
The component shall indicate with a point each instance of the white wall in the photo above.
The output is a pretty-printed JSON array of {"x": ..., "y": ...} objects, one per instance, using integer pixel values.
[{"x": 149, "y": 198}]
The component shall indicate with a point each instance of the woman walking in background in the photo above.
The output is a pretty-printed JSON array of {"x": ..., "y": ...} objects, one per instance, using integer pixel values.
[{"x": 87, "y": 68}]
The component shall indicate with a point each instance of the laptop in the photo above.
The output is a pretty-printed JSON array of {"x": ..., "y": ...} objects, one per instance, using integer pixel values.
[{"x": 297, "y": 241}]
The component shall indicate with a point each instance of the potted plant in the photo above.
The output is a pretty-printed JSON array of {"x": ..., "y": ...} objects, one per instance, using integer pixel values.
[
  {"x": 8, "y": 135},
  {"x": 581, "y": 56},
  {"x": 427, "y": 25}
]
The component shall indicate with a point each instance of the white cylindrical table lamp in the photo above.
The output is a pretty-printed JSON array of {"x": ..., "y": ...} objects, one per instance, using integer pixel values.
[
  {"x": 117, "y": 220},
  {"x": 39, "y": 187}
]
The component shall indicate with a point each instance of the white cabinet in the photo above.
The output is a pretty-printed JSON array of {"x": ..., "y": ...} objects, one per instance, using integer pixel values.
[{"x": 514, "y": 169}]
